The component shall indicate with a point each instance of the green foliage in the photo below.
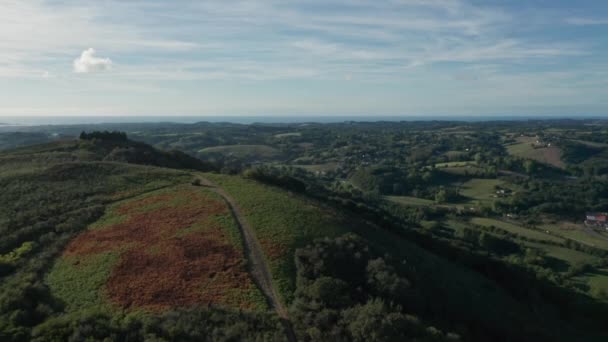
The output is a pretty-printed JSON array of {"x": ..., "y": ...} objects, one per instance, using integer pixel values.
[
  {"x": 196, "y": 324},
  {"x": 105, "y": 135},
  {"x": 345, "y": 293},
  {"x": 78, "y": 282},
  {"x": 282, "y": 222}
]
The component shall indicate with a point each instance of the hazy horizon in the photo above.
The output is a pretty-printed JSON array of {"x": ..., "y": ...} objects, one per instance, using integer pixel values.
[{"x": 249, "y": 119}]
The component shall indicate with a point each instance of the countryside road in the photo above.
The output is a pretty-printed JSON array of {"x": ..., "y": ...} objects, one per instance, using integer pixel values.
[{"x": 258, "y": 267}]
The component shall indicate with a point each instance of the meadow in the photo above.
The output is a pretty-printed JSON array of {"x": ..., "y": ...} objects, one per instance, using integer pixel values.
[
  {"x": 516, "y": 229},
  {"x": 525, "y": 148},
  {"x": 576, "y": 232},
  {"x": 410, "y": 201}
]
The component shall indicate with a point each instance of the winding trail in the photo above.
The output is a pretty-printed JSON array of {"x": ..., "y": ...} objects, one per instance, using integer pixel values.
[{"x": 258, "y": 267}]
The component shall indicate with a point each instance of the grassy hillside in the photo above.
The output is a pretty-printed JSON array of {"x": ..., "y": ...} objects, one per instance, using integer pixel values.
[
  {"x": 56, "y": 276},
  {"x": 285, "y": 222}
]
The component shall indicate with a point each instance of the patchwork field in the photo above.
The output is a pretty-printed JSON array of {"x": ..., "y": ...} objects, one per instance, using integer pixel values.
[{"x": 163, "y": 250}]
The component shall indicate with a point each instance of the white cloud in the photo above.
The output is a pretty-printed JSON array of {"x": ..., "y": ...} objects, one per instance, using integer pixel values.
[{"x": 87, "y": 62}]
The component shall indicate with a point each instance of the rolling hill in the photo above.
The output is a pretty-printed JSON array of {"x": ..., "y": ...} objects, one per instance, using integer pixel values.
[{"x": 103, "y": 237}]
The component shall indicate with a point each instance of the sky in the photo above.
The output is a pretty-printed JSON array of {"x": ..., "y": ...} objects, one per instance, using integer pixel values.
[{"x": 314, "y": 57}]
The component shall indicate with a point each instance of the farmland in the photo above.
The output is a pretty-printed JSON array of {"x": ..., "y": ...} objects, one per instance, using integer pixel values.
[
  {"x": 408, "y": 200},
  {"x": 182, "y": 237},
  {"x": 516, "y": 229},
  {"x": 479, "y": 190},
  {"x": 525, "y": 148},
  {"x": 576, "y": 232}
]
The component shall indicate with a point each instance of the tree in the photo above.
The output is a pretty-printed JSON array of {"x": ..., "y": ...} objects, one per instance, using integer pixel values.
[
  {"x": 376, "y": 321},
  {"x": 529, "y": 166}
]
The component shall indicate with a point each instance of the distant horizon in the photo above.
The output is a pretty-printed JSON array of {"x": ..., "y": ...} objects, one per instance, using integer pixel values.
[{"x": 41, "y": 120}]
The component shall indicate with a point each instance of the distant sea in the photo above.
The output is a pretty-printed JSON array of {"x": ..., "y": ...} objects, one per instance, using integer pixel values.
[{"x": 84, "y": 119}]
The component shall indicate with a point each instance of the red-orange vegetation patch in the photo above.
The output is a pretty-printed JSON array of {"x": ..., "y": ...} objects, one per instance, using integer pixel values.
[
  {"x": 159, "y": 269},
  {"x": 187, "y": 270},
  {"x": 143, "y": 202}
]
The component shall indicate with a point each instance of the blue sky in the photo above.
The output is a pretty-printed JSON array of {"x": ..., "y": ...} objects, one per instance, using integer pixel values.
[{"x": 316, "y": 57}]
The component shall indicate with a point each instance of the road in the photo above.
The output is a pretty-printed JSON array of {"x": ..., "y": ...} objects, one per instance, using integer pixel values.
[{"x": 258, "y": 267}]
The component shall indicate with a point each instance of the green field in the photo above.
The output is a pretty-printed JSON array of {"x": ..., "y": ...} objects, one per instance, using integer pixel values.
[
  {"x": 454, "y": 154},
  {"x": 409, "y": 200},
  {"x": 516, "y": 229},
  {"x": 597, "y": 281},
  {"x": 456, "y": 164},
  {"x": 480, "y": 189},
  {"x": 468, "y": 170},
  {"x": 244, "y": 151},
  {"x": 326, "y": 167},
  {"x": 570, "y": 256},
  {"x": 547, "y": 155},
  {"x": 575, "y": 232}
]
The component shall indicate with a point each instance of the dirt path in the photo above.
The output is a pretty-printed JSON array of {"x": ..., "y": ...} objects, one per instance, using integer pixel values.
[{"x": 258, "y": 267}]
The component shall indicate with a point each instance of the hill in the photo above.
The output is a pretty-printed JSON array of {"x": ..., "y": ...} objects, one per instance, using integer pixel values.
[
  {"x": 288, "y": 224},
  {"x": 55, "y": 275},
  {"x": 103, "y": 237}
]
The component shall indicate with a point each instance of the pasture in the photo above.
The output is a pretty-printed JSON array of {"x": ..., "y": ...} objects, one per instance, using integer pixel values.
[
  {"x": 516, "y": 229},
  {"x": 410, "y": 201},
  {"x": 525, "y": 148},
  {"x": 480, "y": 189}
]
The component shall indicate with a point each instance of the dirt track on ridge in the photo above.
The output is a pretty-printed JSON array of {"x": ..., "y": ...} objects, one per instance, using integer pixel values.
[{"x": 258, "y": 267}]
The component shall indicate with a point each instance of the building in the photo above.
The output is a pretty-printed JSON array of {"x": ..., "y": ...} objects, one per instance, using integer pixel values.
[{"x": 597, "y": 220}]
